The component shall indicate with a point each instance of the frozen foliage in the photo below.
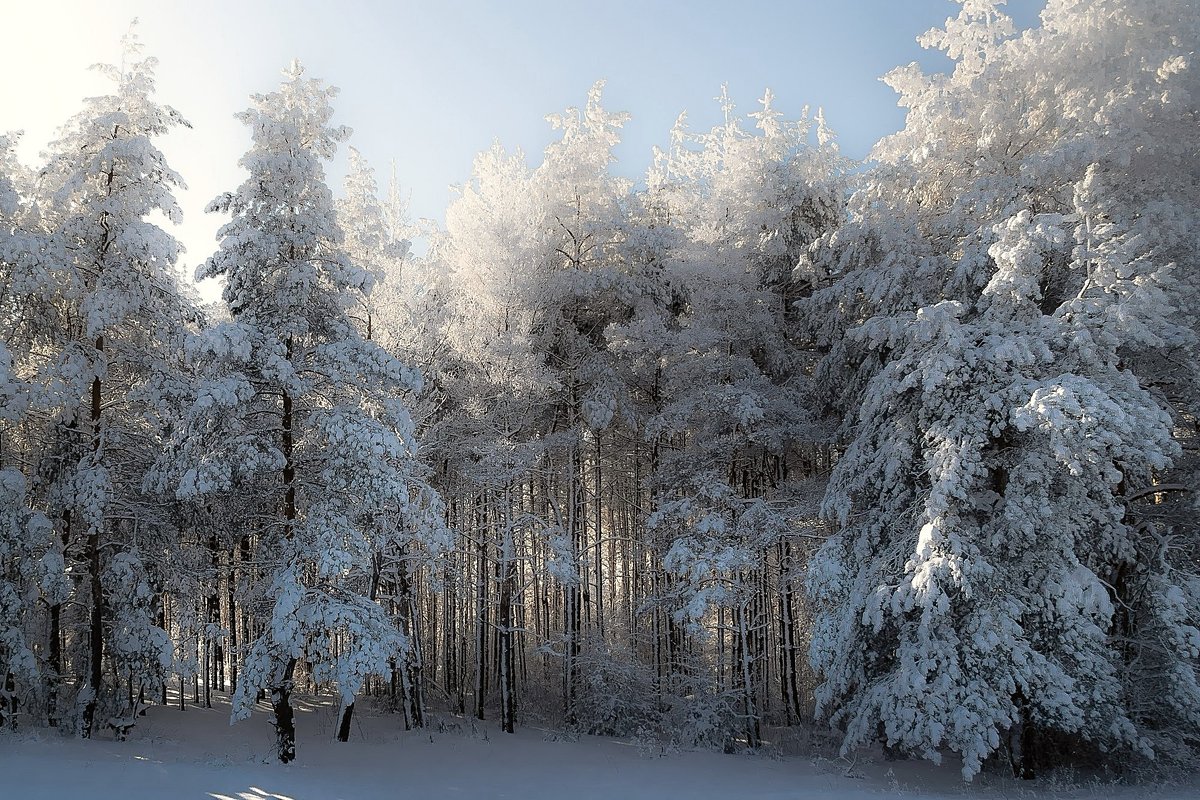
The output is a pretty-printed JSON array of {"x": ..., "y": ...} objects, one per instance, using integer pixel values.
[
  {"x": 616, "y": 694},
  {"x": 297, "y": 408},
  {"x": 28, "y": 560},
  {"x": 1008, "y": 273},
  {"x": 94, "y": 314},
  {"x": 953, "y": 390},
  {"x": 726, "y": 216},
  {"x": 135, "y": 641},
  {"x": 29, "y": 565},
  {"x": 530, "y": 271}
]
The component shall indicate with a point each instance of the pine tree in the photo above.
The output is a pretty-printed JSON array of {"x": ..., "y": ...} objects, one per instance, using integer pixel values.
[
  {"x": 28, "y": 556},
  {"x": 296, "y": 406},
  {"x": 1007, "y": 287},
  {"x": 104, "y": 305}
]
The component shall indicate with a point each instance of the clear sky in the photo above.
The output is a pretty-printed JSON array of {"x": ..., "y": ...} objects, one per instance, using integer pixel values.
[{"x": 429, "y": 84}]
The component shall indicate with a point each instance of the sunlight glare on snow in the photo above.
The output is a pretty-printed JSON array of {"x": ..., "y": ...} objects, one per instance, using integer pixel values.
[{"x": 255, "y": 793}]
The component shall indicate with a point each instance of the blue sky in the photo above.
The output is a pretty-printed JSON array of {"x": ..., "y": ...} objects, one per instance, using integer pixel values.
[{"x": 429, "y": 84}]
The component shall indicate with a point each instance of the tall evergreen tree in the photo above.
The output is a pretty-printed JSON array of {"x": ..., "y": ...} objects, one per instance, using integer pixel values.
[
  {"x": 106, "y": 313},
  {"x": 1008, "y": 285},
  {"x": 297, "y": 405}
]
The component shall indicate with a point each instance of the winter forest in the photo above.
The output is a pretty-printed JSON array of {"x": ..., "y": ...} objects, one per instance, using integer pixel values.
[{"x": 901, "y": 453}]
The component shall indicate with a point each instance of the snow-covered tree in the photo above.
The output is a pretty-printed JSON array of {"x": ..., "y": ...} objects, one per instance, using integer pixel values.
[
  {"x": 104, "y": 309},
  {"x": 1017, "y": 267},
  {"x": 29, "y": 560},
  {"x": 373, "y": 239},
  {"x": 374, "y": 233},
  {"x": 296, "y": 404},
  {"x": 530, "y": 276},
  {"x": 727, "y": 406}
]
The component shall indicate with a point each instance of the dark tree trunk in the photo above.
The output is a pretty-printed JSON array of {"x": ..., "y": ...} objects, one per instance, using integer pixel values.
[
  {"x": 787, "y": 636},
  {"x": 96, "y": 620},
  {"x": 8, "y": 702},
  {"x": 573, "y": 592},
  {"x": 746, "y": 663},
  {"x": 55, "y": 643},
  {"x": 1018, "y": 756},
  {"x": 215, "y": 657},
  {"x": 233, "y": 637},
  {"x": 598, "y": 508},
  {"x": 285, "y": 723},
  {"x": 481, "y": 614},
  {"x": 55, "y": 676},
  {"x": 285, "y": 728},
  {"x": 236, "y": 614},
  {"x": 160, "y": 619},
  {"x": 343, "y": 734},
  {"x": 508, "y": 703},
  {"x": 289, "y": 467}
]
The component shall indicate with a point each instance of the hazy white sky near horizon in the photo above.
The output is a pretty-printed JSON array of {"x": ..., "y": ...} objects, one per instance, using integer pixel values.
[{"x": 430, "y": 84}]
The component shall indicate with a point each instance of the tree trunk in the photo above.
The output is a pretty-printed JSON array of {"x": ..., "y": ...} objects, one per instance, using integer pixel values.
[
  {"x": 241, "y": 618},
  {"x": 285, "y": 725},
  {"x": 230, "y": 599},
  {"x": 1018, "y": 758},
  {"x": 213, "y": 650},
  {"x": 343, "y": 734},
  {"x": 598, "y": 508},
  {"x": 749, "y": 706},
  {"x": 412, "y": 666},
  {"x": 480, "y": 613},
  {"x": 508, "y": 703},
  {"x": 161, "y": 621},
  {"x": 55, "y": 639},
  {"x": 787, "y": 631},
  {"x": 8, "y": 702},
  {"x": 285, "y": 729},
  {"x": 573, "y": 591},
  {"x": 289, "y": 467},
  {"x": 96, "y": 621}
]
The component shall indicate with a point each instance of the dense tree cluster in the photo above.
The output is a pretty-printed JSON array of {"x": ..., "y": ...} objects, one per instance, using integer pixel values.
[{"x": 909, "y": 445}]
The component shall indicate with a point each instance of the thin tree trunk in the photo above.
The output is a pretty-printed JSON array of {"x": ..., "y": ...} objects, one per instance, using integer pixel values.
[
  {"x": 599, "y": 538},
  {"x": 749, "y": 707},
  {"x": 231, "y": 589},
  {"x": 96, "y": 621},
  {"x": 161, "y": 621},
  {"x": 1019, "y": 760},
  {"x": 480, "y": 612},
  {"x": 787, "y": 624},
  {"x": 285, "y": 729},
  {"x": 414, "y": 663},
  {"x": 508, "y": 704},
  {"x": 55, "y": 639},
  {"x": 573, "y": 592},
  {"x": 8, "y": 701},
  {"x": 215, "y": 656}
]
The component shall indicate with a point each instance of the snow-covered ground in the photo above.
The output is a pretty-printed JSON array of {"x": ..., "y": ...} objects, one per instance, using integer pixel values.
[{"x": 196, "y": 754}]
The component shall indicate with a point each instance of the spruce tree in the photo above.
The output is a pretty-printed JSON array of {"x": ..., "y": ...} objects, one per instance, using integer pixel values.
[{"x": 296, "y": 408}]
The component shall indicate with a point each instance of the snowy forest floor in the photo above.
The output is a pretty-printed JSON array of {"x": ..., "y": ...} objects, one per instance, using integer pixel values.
[{"x": 196, "y": 754}]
